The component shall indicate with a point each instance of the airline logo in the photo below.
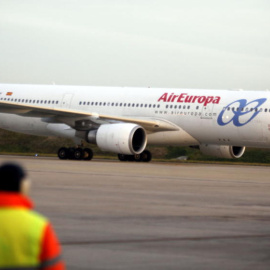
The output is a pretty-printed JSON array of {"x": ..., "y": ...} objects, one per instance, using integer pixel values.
[
  {"x": 9, "y": 94},
  {"x": 185, "y": 98},
  {"x": 241, "y": 108}
]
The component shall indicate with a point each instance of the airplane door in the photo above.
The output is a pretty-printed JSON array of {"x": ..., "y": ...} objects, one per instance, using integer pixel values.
[
  {"x": 208, "y": 121},
  {"x": 207, "y": 112},
  {"x": 66, "y": 101}
]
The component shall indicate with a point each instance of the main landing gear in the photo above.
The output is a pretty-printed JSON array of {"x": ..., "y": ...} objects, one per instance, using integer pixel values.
[
  {"x": 87, "y": 154},
  {"x": 75, "y": 153},
  {"x": 145, "y": 156}
]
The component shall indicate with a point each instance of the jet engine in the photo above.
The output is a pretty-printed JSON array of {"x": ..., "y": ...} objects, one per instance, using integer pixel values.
[
  {"x": 222, "y": 151},
  {"x": 120, "y": 138}
]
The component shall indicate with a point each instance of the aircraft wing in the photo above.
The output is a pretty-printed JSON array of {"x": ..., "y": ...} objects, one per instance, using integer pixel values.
[{"x": 83, "y": 120}]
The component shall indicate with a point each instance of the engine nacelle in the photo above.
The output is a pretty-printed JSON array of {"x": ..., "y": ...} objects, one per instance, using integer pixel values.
[
  {"x": 222, "y": 151},
  {"x": 120, "y": 138}
]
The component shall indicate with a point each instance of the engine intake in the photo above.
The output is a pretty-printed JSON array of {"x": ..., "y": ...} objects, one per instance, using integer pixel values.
[
  {"x": 222, "y": 151},
  {"x": 127, "y": 139}
]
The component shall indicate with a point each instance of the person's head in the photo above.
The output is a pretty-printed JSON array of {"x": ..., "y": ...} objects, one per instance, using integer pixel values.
[{"x": 13, "y": 179}]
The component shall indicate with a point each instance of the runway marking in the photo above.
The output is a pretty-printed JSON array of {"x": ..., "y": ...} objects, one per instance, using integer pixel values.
[{"x": 156, "y": 240}]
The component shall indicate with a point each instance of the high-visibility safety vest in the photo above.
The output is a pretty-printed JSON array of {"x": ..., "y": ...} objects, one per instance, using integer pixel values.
[{"x": 27, "y": 240}]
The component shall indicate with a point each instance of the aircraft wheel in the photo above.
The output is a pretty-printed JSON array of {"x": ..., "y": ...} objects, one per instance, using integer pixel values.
[
  {"x": 130, "y": 158},
  {"x": 87, "y": 154},
  {"x": 122, "y": 157},
  {"x": 146, "y": 156},
  {"x": 137, "y": 158},
  {"x": 78, "y": 154},
  {"x": 63, "y": 153},
  {"x": 71, "y": 151}
]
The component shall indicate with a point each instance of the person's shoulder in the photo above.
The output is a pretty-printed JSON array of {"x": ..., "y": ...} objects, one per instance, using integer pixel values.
[{"x": 38, "y": 217}]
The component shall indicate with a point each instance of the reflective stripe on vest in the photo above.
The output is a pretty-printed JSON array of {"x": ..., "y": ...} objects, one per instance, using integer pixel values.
[{"x": 21, "y": 233}]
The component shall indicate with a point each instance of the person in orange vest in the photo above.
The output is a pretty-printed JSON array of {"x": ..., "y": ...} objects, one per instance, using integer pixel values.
[{"x": 27, "y": 239}]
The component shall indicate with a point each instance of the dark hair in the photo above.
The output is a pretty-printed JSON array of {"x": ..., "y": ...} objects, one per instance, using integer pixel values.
[{"x": 11, "y": 175}]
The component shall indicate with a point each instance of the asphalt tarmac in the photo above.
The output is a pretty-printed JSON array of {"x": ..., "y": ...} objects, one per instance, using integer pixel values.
[{"x": 122, "y": 215}]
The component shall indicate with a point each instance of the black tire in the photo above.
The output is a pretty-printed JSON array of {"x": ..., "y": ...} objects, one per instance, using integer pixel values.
[
  {"x": 130, "y": 158},
  {"x": 87, "y": 154},
  {"x": 63, "y": 153},
  {"x": 78, "y": 154},
  {"x": 146, "y": 156},
  {"x": 71, "y": 151},
  {"x": 122, "y": 157},
  {"x": 137, "y": 158}
]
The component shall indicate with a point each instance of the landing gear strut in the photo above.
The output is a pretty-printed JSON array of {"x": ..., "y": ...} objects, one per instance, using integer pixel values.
[
  {"x": 145, "y": 156},
  {"x": 75, "y": 153}
]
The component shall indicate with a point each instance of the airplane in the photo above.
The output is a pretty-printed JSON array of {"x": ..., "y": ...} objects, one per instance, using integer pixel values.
[{"x": 125, "y": 120}]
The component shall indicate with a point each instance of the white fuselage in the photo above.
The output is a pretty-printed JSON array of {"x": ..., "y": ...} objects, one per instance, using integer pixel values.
[{"x": 220, "y": 117}]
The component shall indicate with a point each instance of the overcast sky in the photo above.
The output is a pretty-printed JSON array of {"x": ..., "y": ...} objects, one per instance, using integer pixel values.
[{"x": 163, "y": 43}]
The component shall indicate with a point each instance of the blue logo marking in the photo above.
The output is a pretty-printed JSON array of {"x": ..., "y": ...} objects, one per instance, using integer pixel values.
[{"x": 241, "y": 104}]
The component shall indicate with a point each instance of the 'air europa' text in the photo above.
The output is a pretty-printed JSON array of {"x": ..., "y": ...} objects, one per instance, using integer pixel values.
[{"x": 185, "y": 98}]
